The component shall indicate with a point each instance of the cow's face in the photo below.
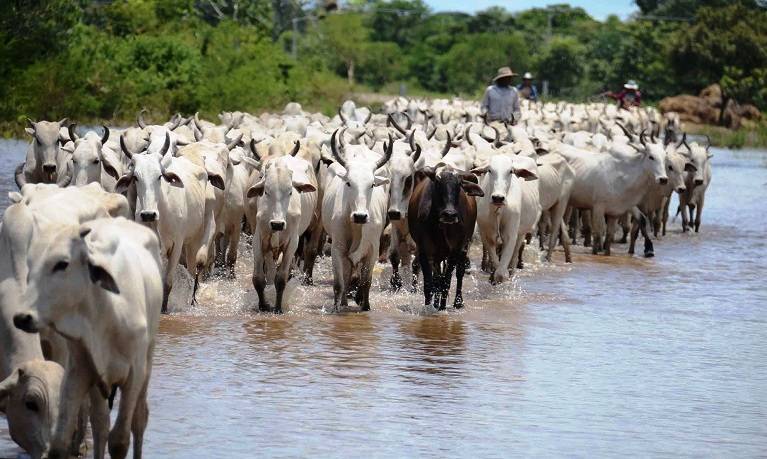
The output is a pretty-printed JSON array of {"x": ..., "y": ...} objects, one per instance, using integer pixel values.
[
  {"x": 698, "y": 155},
  {"x": 503, "y": 171},
  {"x": 402, "y": 170},
  {"x": 359, "y": 180},
  {"x": 45, "y": 139},
  {"x": 448, "y": 185},
  {"x": 655, "y": 162},
  {"x": 675, "y": 167},
  {"x": 147, "y": 172},
  {"x": 29, "y": 397},
  {"x": 88, "y": 161}
]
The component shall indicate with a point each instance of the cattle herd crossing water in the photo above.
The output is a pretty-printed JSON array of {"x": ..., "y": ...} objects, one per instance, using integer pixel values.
[{"x": 102, "y": 220}]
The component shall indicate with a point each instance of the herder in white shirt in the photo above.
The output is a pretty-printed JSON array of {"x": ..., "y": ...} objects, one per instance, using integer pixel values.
[{"x": 501, "y": 101}]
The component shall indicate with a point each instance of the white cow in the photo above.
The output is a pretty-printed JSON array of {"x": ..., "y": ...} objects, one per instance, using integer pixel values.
[
  {"x": 508, "y": 211},
  {"x": 99, "y": 286},
  {"x": 172, "y": 199},
  {"x": 287, "y": 198},
  {"x": 92, "y": 162},
  {"x": 45, "y": 162},
  {"x": 353, "y": 214},
  {"x": 555, "y": 183},
  {"x": 697, "y": 181}
]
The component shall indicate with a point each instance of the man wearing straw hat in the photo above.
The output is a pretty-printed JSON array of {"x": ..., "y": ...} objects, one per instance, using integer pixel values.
[
  {"x": 527, "y": 89},
  {"x": 501, "y": 101},
  {"x": 628, "y": 97}
]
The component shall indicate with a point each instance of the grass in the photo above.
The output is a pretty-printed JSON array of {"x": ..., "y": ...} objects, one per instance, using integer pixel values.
[{"x": 751, "y": 135}]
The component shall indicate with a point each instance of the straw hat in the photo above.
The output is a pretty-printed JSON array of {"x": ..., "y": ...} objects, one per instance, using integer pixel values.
[
  {"x": 631, "y": 84},
  {"x": 504, "y": 72},
  {"x": 527, "y": 76}
]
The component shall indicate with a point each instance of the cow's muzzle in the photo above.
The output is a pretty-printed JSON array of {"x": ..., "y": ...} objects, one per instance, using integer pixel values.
[
  {"x": 49, "y": 168},
  {"x": 360, "y": 218},
  {"x": 681, "y": 190},
  {"x": 698, "y": 182},
  {"x": 662, "y": 180},
  {"x": 498, "y": 200},
  {"x": 277, "y": 225},
  {"x": 395, "y": 215},
  {"x": 148, "y": 216},
  {"x": 26, "y": 321},
  {"x": 448, "y": 217}
]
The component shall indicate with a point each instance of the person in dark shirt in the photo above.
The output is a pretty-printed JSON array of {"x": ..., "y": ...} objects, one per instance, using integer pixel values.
[
  {"x": 628, "y": 97},
  {"x": 527, "y": 89}
]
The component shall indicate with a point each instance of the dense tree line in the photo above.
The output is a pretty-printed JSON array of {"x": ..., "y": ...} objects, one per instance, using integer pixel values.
[{"x": 109, "y": 58}]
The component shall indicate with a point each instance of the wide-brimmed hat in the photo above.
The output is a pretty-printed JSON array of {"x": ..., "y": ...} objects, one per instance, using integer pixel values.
[
  {"x": 527, "y": 76},
  {"x": 631, "y": 84},
  {"x": 504, "y": 72}
]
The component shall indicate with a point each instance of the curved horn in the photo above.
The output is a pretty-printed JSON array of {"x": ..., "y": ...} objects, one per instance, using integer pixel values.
[
  {"x": 124, "y": 147},
  {"x": 175, "y": 122},
  {"x": 72, "y": 133},
  {"x": 513, "y": 120},
  {"x": 434, "y": 131},
  {"x": 497, "y": 141},
  {"x": 683, "y": 141},
  {"x": 467, "y": 134},
  {"x": 625, "y": 131},
  {"x": 367, "y": 118},
  {"x": 253, "y": 149},
  {"x": 708, "y": 142},
  {"x": 411, "y": 140},
  {"x": 234, "y": 143},
  {"x": 387, "y": 153},
  {"x": 642, "y": 139},
  {"x": 341, "y": 115},
  {"x": 416, "y": 154},
  {"x": 334, "y": 148},
  {"x": 390, "y": 121},
  {"x": 371, "y": 143},
  {"x": 140, "y": 119},
  {"x": 296, "y": 148},
  {"x": 166, "y": 145},
  {"x": 105, "y": 136},
  {"x": 409, "y": 121},
  {"x": 442, "y": 117},
  {"x": 448, "y": 144}
]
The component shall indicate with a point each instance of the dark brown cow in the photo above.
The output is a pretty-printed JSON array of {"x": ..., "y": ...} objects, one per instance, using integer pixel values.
[{"x": 441, "y": 215}]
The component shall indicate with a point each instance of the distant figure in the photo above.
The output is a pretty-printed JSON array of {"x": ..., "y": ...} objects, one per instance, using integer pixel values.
[
  {"x": 501, "y": 101},
  {"x": 527, "y": 89},
  {"x": 628, "y": 97}
]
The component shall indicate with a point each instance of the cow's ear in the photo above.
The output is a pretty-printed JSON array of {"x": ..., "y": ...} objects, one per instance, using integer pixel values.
[
  {"x": 15, "y": 197},
  {"x": 480, "y": 170},
  {"x": 472, "y": 189},
  {"x": 173, "y": 179},
  {"x": 526, "y": 174},
  {"x": 304, "y": 187},
  {"x": 216, "y": 181},
  {"x": 123, "y": 183},
  {"x": 6, "y": 387},
  {"x": 102, "y": 278},
  {"x": 30, "y": 131},
  {"x": 256, "y": 190},
  {"x": 378, "y": 180},
  {"x": 690, "y": 167}
]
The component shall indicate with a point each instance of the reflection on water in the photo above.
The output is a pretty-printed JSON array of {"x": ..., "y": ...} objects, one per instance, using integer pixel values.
[{"x": 605, "y": 357}]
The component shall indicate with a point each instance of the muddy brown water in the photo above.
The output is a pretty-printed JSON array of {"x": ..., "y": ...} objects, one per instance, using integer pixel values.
[{"x": 604, "y": 357}]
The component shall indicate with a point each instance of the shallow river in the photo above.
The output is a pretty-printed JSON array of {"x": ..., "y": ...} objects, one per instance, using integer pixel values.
[{"x": 605, "y": 357}]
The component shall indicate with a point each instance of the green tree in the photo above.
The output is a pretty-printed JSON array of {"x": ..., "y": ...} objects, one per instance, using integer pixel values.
[
  {"x": 346, "y": 36},
  {"x": 561, "y": 63},
  {"x": 397, "y": 20}
]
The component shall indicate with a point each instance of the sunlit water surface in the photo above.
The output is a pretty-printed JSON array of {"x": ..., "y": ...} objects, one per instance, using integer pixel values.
[{"x": 604, "y": 357}]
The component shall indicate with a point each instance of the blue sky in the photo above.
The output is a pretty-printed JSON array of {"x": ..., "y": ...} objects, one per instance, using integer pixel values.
[{"x": 599, "y": 9}]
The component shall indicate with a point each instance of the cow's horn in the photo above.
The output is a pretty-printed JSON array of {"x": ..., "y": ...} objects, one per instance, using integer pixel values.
[
  {"x": 124, "y": 147},
  {"x": 334, "y": 148},
  {"x": 296, "y": 148},
  {"x": 105, "y": 135},
  {"x": 387, "y": 153},
  {"x": 140, "y": 119}
]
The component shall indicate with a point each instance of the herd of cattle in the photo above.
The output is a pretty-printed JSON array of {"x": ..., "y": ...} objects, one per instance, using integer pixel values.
[{"x": 91, "y": 241}]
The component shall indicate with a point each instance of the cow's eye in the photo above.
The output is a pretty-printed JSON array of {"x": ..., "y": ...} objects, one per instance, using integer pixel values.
[
  {"x": 671, "y": 169},
  {"x": 31, "y": 405},
  {"x": 95, "y": 161},
  {"x": 61, "y": 266},
  {"x": 651, "y": 158},
  {"x": 348, "y": 184},
  {"x": 160, "y": 177}
]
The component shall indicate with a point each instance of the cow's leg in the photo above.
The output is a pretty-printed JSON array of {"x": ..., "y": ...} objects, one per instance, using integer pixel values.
[
  {"x": 99, "y": 414},
  {"x": 664, "y": 215},
  {"x": 415, "y": 268},
  {"x": 505, "y": 265},
  {"x": 634, "y": 235},
  {"x": 342, "y": 269},
  {"x": 281, "y": 276},
  {"x": 565, "y": 242},
  {"x": 428, "y": 277},
  {"x": 520, "y": 251},
  {"x": 699, "y": 212},
  {"x": 643, "y": 225},
  {"x": 366, "y": 279},
  {"x": 611, "y": 223},
  {"x": 311, "y": 252},
  {"x": 625, "y": 227},
  {"x": 140, "y": 419},
  {"x": 174, "y": 255},
  {"x": 394, "y": 257},
  {"x": 447, "y": 278},
  {"x": 74, "y": 388},
  {"x": 130, "y": 391},
  {"x": 572, "y": 216},
  {"x": 231, "y": 251},
  {"x": 556, "y": 216},
  {"x": 587, "y": 228},
  {"x": 460, "y": 270},
  {"x": 597, "y": 227},
  {"x": 259, "y": 271}
]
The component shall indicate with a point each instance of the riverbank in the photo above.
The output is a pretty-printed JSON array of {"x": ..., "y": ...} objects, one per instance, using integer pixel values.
[{"x": 753, "y": 135}]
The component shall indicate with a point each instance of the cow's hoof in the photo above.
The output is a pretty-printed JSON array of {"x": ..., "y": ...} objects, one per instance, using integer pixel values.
[
  {"x": 649, "y": 254},
  {"x": 458, "y": 303},
  {"x": 278, "y": 310},
  {"x": 307, "y": 281},
  {"x": 265, "y": 307}
]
